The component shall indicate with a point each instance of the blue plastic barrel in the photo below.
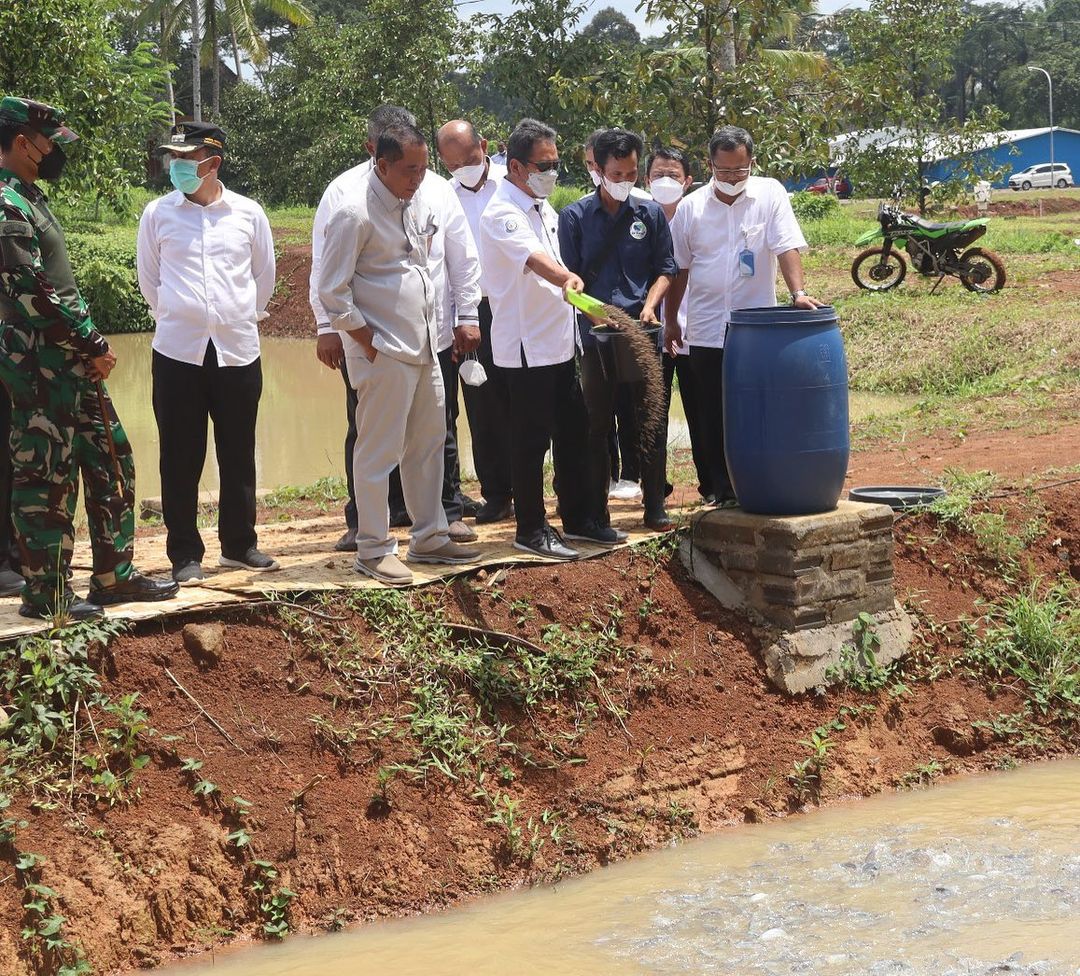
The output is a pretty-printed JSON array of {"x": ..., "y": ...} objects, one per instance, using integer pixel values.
[{"x": 786, "y": 409}]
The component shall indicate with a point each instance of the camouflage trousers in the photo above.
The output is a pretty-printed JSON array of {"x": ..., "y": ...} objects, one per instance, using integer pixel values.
[{"x": 58, "y": 428}]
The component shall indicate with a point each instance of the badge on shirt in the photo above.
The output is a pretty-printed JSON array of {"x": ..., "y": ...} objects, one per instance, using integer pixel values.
[
  {"x": 638, "y": 230},
  {"x": 511, "y": 225},
  {"x": 746, "y": 263}
]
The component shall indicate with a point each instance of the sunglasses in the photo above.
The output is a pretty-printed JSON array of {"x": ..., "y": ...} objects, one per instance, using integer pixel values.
[{"x": 547, "y": 165}]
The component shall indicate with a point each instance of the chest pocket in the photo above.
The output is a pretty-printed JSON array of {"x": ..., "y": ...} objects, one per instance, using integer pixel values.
[
  {"x": 16, "y": 244},
  {"x": 754, "y": 235}
]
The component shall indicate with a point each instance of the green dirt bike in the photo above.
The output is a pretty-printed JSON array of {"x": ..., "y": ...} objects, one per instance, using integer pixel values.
[{"x": 934, "y": 249}]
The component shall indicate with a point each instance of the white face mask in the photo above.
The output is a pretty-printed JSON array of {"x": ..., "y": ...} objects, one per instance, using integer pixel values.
[
  {"x": 666, "y": 190},
  {"x": 472, "y": 372},
  {"x": 729, "y": 189},
  {"x": 618, "y": 191},
  {"x": 595, "y": 177},
  {"x": 469, "y": 176},
  {"x": 542, "y": 184}
]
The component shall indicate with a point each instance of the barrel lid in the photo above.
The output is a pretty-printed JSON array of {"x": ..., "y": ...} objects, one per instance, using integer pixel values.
[
  {"x": 896, "y": 496},
  {"x": 784, "y": 315}
]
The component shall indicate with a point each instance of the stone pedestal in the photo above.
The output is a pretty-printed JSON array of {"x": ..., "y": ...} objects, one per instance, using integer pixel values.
[{"x": 804, "y": 579}]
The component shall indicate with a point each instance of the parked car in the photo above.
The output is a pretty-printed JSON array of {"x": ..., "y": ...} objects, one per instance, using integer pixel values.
[
  {"x": 840, "y": 185},
  {"x": 1038, "y": 176}
]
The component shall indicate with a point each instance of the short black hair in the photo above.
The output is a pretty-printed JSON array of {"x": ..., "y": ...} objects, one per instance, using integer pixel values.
[
  {"x": 669, "y": 153},
  {"x": 385, "y": 116},
  {"x": 590, "y": 142},
  {"x": 8, "y": 132},
  {"x": 728, "y": 138},
  {"x": 527, "y": 133},
  {"x": 619, "y": 143},
  {"x": 392, "y": 142}
]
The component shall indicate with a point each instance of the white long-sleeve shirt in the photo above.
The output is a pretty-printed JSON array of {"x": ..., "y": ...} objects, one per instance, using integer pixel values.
[
  {"x": 207, "y": 273},
  {"x": 453, "y": 261}
]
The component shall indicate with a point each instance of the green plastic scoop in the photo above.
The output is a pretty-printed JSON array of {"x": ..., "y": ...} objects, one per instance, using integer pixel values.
[{"x": 587, "y": 304}]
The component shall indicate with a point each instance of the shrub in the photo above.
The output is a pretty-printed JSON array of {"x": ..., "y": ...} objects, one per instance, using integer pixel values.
[
  {"x": 563, "y": 196},
  {"x": 104, "y": 264},
  {"x": 813, "y": 206}
]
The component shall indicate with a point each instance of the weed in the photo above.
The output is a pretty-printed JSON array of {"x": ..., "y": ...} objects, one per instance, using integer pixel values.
[
  {"x": 805, "y": 778},
  {"x": 858, "y": 667},
  {"x": 1032, "y": 643},
  {"x": 1016, "y": 728},
  {"x": 921, "y": 775}
]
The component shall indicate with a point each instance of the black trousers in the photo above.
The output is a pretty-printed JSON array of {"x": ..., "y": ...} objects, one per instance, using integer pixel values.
[
  {"x": 707, "y": 365},
  {"x": 624, "y": 442},
  {"x": 601, "y": 390},
  {"x": 680, "y": 366},
  {"x": 547, "y": 410},
  {"x": 488, "y": 408},
  {"x": 185, "y": 396},
  {"x": 9, "y": 552},
  {"x": 452, "y": 501}
]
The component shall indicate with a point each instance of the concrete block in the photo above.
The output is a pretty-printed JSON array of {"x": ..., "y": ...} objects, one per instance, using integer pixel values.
[
  {"x": 798, "y": 661},
  {"x": 710, "y": 576}
]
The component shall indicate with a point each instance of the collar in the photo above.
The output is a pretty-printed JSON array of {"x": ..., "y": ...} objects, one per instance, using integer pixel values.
[
  {"x": 488, "y": 176},
  {"x": 181, "y": 199},
  {"x": 520, "y": 198},
  {"x": 594, "y": 203},
  {"x": 29, "y": 190},
  {"x": 750, "y": 192}
]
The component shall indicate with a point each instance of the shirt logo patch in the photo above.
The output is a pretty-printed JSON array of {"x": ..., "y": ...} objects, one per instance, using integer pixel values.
[
  {"x": 638, "y": 230},
  {"x": 511, "y": 225}
]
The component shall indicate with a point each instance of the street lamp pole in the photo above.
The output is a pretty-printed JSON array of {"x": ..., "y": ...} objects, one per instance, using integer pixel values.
[{"x": 1050, "y": 83}]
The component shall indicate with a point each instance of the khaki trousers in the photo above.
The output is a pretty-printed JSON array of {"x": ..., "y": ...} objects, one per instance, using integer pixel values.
[{"x": 400, "y": 420}]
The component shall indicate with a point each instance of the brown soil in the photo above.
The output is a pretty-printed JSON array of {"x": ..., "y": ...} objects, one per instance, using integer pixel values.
[
  {"x": 290, "y": 314},
  {"x": 706, "y": 742},
  {"x": 1019, "y": 205}
]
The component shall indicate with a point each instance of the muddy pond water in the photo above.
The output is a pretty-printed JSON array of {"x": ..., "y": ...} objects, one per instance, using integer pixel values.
[
  {"x": 972, "y": 877},
  {"x": 302, "y": 416}
]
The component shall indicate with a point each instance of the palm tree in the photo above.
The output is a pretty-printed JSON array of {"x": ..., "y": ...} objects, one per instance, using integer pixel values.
[{"x": 235, "y": 18}]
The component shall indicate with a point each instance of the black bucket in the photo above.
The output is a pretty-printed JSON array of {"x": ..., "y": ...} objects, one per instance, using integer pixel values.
[{"x": 616, "y": 353}]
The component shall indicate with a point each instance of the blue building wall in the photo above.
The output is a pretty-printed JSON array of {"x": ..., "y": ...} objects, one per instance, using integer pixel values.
[{"x": 1030, "y": 152}]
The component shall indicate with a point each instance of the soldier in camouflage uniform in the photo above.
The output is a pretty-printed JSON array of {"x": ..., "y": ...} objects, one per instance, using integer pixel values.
[{"x": 51, "y": 361}]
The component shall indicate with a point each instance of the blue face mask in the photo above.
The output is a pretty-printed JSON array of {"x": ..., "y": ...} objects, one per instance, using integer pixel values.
[{"x": 182, "y": 173}]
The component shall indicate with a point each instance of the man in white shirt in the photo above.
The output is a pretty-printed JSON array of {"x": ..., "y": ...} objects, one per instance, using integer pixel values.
[
  {"x": 475, "y": 179},
  {"x": 455, "y": 271},
  {"x": 730, "y": 237},
  {"x": 378, "y": 292},
  {"x": 534, "y": 339},
  {"x": 206, "y": 269}
]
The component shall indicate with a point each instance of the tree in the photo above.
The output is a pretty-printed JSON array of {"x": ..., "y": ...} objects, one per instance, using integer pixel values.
[
  {"x": 612, "y": 28},
  {"x": 69, "y": 54},
  {"x": 903, "y": 51}
]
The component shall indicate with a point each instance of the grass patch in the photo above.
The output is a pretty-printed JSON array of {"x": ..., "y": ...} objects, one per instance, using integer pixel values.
[{"x": 324, "y": 491}]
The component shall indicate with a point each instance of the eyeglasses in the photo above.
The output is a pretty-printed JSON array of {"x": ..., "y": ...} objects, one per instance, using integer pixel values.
[
  {"x": 721, "y": 173},
  {"x": 547, "y": 165}
]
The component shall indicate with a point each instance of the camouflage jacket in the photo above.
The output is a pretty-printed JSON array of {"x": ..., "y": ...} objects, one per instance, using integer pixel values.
[{"x": 37, "y": 286}]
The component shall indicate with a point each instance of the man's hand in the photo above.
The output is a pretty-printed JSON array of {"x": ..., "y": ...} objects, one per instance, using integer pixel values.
[
  {"x": 672, "y": 339},
  {"x": 573, "y": 283},
  {"x": 648, "y": 316},
  {"x": 466, "y": 340},
  {"x": 329, "y": 350},
  {"x": 99, "y": 367},
  {"x": 805, "y": 301},
  {"x": 364, "y": 336}
]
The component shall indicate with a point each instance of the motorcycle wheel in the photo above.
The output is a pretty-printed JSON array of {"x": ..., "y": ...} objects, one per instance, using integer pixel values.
[
  {"x": 869, "y": 271},
  {"x": 981, "y": 271}
]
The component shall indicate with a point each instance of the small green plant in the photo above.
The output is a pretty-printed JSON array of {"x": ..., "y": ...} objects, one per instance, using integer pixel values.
[
  {"x": 273, "y": 903},
  {"x": 43, "y": 931},
  {"x": 804, "y": 778},
  {"x": 921, "y": 775},
  {"x": 858, "y": 667}
]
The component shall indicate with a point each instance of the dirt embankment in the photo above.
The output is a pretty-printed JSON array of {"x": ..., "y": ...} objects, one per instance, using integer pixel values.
[
  {"x": 290, "y": 314},
  {"x": 694, "y": 739}
]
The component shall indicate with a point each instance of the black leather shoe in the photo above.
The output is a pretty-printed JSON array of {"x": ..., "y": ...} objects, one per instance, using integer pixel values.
[
  {"x": 660, "y": 522},
  {"x": 495, "y": 512},
  {"x": 601, "y": 535},
  {"x": 347, "y": 543},
  {"x": 470, "y": 506},
  {"x": 135, "y": 589},
  {"x": 74, "y": 608},
  {"x": 548, "y": 543},
  {"x": 400, "y": 520}
]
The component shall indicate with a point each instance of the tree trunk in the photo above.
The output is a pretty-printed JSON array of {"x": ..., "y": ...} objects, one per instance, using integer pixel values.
[
  {"x": 727, "y": 42},
  {"x": 216, "y": 92},
  {"x": 235, "y": 52},
  {"x": 196, "y": 62},
  {"x": 170, "y": 92}
]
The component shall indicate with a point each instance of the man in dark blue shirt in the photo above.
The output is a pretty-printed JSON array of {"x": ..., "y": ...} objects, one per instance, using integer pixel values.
[{"x": 621, "y": 247}]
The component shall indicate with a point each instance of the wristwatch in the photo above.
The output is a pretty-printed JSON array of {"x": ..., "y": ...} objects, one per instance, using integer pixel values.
[{"x": 796, "y": 295}]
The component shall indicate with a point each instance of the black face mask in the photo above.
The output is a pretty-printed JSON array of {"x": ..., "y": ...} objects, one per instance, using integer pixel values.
[{"x": 51, "y": 166}]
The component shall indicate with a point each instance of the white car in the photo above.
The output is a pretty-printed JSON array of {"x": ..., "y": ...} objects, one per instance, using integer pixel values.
[{"x": 1039, "y": 177}]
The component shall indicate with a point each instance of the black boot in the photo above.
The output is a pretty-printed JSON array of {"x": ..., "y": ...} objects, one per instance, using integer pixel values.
[{"x": 135, "y": 589}]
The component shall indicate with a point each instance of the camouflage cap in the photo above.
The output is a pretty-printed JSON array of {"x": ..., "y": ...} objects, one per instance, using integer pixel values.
[{"x": 46, "y": 119}]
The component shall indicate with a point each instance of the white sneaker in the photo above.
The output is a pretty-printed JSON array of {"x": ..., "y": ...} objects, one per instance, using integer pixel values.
[{"x": 625, "y": 491}]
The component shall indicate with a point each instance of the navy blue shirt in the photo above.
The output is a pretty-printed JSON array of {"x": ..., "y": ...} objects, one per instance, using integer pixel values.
[{"x": 642, "y": 253}]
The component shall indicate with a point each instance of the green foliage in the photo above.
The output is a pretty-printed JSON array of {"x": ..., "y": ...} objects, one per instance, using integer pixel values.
[
  {"x": 1031, "y": 643},
  {"x": 104, "y": 265},
  {"x": 70, "y": 53},
  {"x": 563, "y": 196},
  {"x": 814, "y": 206},
  {"x": 324, "y": 491},
  {"x": 858, "y": 667}
]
